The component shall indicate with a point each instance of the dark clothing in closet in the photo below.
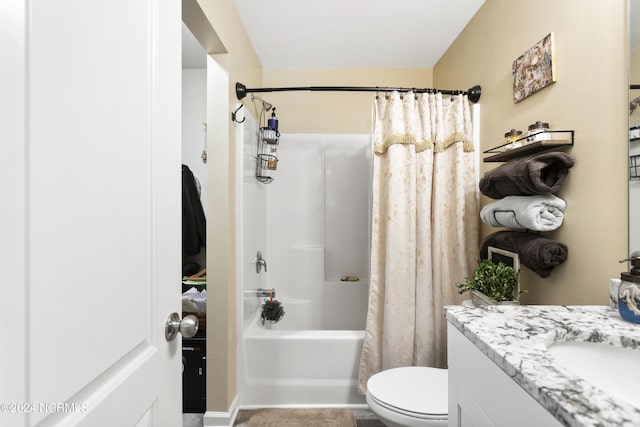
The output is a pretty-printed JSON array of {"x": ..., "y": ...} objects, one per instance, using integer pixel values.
[{"x": 194, "y": 224}]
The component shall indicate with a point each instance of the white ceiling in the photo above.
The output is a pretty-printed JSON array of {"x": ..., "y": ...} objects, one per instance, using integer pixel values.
[
  {"x": 343, "y": 33},
  {"x": 353, "y": 33}
]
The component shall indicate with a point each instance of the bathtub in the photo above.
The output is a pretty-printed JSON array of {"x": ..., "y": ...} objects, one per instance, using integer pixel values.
[
  {"x": 295, "y": 363},
  {"x": 313, "y": 231}
]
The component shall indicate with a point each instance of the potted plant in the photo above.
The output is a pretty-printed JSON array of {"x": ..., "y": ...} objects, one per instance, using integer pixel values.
[{"x": 492, "y": 284}]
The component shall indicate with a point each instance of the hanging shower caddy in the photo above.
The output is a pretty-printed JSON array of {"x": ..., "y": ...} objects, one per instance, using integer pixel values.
[
  {"x": 267, "y": 150},
  {"x": 267, "y": 160}
]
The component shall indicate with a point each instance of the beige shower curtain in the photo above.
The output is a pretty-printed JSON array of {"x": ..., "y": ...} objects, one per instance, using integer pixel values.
[{"x": 424, "y": 237}]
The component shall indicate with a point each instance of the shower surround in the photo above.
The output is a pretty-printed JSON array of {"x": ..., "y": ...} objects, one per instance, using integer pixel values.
[{"x": 312, "y": 226}]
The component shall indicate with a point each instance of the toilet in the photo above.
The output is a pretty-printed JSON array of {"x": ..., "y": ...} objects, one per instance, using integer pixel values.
[{"x": 411, "y": 396}]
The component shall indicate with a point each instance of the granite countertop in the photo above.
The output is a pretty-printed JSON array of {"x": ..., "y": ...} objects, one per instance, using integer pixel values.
[{"x": 516, "y": 339}]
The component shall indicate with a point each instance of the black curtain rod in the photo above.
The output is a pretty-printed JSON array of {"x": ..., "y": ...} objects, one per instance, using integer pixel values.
[
  {"x": 242, "y": 91},
  {"x": 630, "y": 87}
]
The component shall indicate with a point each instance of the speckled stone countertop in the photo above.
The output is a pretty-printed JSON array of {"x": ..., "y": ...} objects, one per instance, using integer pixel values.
[{"x": 516, "y": 339}]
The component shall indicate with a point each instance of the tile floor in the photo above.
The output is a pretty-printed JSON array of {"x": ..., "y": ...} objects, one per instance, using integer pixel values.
[{"x": 192, "y": 420}]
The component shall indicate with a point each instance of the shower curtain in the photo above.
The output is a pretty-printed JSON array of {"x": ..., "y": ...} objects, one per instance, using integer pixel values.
[{"x": 424, "y": 237}]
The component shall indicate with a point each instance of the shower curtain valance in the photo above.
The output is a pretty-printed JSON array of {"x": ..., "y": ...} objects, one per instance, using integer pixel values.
[
  {"x": 423, "y": 121},
  {"x": 381, "y": 147}
]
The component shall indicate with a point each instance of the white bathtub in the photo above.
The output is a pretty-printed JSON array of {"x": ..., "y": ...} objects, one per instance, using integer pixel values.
[{"x": 293, "y": 363}]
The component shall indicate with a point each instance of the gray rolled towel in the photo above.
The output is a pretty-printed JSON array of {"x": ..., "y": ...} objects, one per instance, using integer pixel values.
[
  {"x": 538, "y": 253},
  {"x": 535, "y": 174}
]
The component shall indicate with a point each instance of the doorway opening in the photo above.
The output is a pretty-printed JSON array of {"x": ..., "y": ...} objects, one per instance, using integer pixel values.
[{"x": 194, "y": 214}]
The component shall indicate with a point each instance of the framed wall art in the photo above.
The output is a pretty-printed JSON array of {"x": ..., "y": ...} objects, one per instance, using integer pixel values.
[{"x": 534, "y": 69}]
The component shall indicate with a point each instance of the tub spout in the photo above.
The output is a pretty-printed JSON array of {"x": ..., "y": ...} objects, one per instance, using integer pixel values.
[{"x": 266, "y": 292}]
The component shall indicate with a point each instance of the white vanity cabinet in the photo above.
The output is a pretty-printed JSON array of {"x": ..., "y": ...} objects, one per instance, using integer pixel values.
[{"x": 482, "y": 395}]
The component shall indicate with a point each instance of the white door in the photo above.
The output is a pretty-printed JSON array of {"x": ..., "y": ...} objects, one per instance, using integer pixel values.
[{"x": 90, "y": 208}]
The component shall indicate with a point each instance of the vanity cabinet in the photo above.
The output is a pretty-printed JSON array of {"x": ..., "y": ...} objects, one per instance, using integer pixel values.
[{"x": 483, "y": 395}]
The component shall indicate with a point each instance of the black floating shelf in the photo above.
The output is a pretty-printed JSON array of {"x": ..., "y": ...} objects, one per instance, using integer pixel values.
[
  {"x": 536, "y": 143},
  {"x": 634, "y": 168}
]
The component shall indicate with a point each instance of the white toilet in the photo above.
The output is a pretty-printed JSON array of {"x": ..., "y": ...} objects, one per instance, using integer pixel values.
[{"x": 412, "y": 396}]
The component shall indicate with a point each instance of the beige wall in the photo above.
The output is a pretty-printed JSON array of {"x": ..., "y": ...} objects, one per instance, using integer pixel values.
[
  {"x": 589, "y": 97},
  {"x": 634, "y": 67},
  {"x": 241, "y": 64},
  {"x": 333, "y": 112}
]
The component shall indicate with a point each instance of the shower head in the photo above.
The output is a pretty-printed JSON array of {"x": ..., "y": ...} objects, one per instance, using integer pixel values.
[{"x": 265, "y": 105}]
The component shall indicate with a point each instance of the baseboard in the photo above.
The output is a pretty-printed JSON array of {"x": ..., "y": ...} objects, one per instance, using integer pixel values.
[{"x": 221, "y": 419}]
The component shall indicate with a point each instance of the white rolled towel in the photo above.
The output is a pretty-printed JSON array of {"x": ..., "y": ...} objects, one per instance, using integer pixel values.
[{"x": 543, "y": 212}]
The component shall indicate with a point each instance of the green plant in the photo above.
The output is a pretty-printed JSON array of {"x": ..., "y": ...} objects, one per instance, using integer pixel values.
[{"x": 497, "y": 281}]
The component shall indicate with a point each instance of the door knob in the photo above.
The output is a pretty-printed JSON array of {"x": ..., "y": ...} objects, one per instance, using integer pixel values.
[{"x": 188, "y": 326}]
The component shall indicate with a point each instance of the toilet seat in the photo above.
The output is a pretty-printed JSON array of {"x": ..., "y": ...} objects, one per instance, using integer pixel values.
[
  {"x": 412, "y": 391},
  {"x": 403, "y": 412}
]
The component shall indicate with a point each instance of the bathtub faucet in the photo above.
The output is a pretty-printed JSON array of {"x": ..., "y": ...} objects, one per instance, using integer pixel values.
[
  {"x": 265, "y": 292},
  {"x": 260, "y": 263}
]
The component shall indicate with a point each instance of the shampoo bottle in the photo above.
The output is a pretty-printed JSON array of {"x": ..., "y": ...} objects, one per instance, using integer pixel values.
[{"x": 272, "y": 123}]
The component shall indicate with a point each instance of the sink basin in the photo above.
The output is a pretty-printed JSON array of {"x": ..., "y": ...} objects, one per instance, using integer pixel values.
[{"x": 614, "y": 370}]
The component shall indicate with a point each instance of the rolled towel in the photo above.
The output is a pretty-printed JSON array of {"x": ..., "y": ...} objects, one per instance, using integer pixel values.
[
  {"x": 543, "y": 212},
  {"x": 535, "y": 174},
  {"x": 538, "y": 253}
]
